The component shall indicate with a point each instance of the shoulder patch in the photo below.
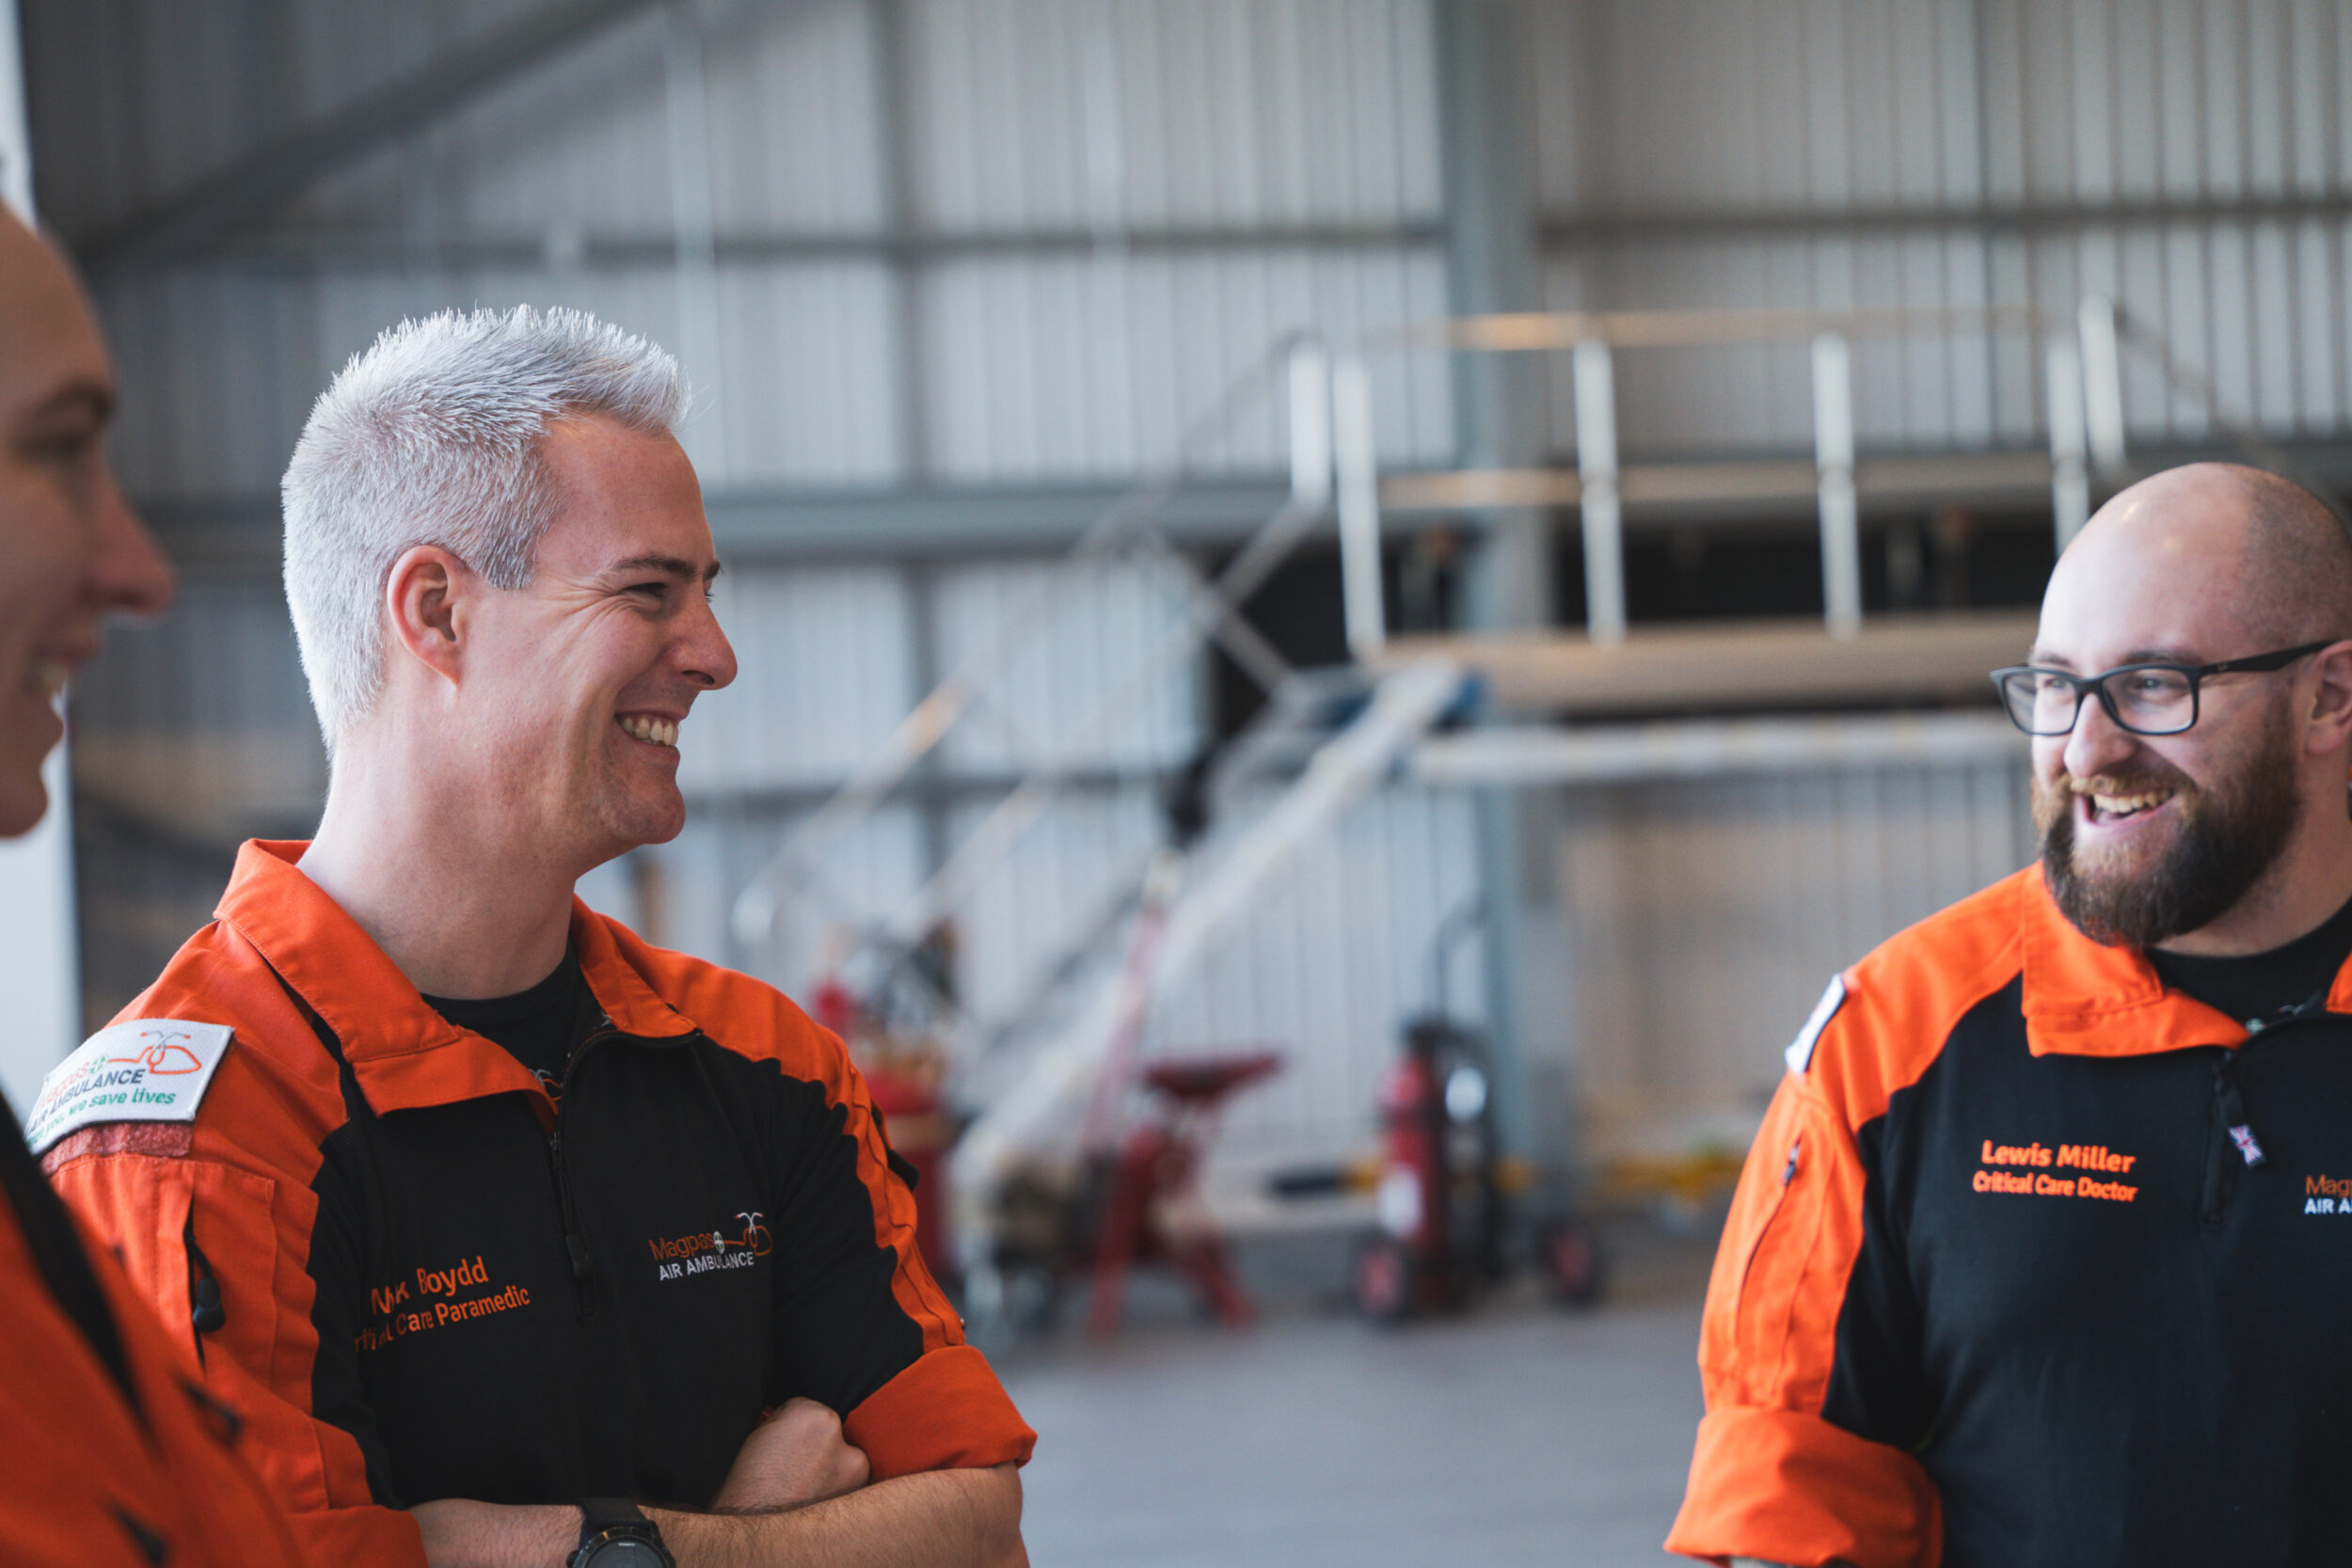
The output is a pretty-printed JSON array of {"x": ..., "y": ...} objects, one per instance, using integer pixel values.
[
  {"x": 1800, "y": 1052},
  {"x": 147, "y": 1069}
]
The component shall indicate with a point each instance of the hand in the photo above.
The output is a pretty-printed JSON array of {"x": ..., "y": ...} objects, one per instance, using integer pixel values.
[{"x": 796, "y": 1457}]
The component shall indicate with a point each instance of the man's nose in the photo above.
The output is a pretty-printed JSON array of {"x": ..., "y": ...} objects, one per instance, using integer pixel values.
[
  {"x": 2097, "y": 742},
  {"x": 127, "y": 570},
  {"x": 707, "y": 654}
]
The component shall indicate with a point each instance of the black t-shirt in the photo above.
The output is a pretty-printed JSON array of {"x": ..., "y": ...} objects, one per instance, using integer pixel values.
[
  {"x": 539, "y": 1027},
  {"x": 2263, "y": 985}
]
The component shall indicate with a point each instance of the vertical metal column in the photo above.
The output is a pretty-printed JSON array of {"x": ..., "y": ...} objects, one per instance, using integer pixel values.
[
  {"x": 1311, "y": 426},
  {"x": 1500, "y": 421},
  {"x": 1597, "y": 490},
  {"x": 1833, "y": 447},
  {"x": 893, "y": 108},
  {"x": 2070, "y": 478},
  {"x": 694, "y": 225},
  {"x": 16, "y": 140},
  {"x": 1352, "y": 436},
  {"x": 2103, "y": 388}
]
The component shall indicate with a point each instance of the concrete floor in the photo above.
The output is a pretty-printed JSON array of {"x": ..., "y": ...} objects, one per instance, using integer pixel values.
[{"x": 1518, "y": 1434}]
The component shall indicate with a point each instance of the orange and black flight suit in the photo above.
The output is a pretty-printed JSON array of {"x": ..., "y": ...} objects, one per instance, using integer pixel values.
[
  {"x": 111, "y": 1453},
  {"x": 436, "y": 1282},
  {"x": 2035, "y": 1261}
]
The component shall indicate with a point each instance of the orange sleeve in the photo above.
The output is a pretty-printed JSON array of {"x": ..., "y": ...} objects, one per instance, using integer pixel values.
[
  {"x": 946, "y": 1411},
  {"x": 1771, "y": 1479},
  {"x": 260, "y": 1363},
  {"x": 89, "y": 1479}
]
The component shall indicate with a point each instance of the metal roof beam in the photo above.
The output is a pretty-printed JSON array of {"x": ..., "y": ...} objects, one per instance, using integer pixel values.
[
  {"x": 1608, "y": 226},
  {"x": 561, "y": 249},
  {"x": 285, "y": 166}
]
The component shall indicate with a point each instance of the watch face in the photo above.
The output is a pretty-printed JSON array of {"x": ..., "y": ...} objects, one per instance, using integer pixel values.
[{"x": 622, "y": 1552}]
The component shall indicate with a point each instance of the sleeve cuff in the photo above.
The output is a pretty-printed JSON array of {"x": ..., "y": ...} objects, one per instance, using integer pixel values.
[
  {"x": 1788, "y": 1487},
  {"x": 380, "y": 1537},
  {"x": 946, "y": 1412}
]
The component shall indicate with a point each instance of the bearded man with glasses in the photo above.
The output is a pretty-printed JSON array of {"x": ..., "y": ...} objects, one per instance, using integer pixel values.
[{"x": 2042, "y": 1253}]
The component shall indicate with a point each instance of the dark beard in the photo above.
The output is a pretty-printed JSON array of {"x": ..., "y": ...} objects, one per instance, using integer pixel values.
[{"x": 2230, "y": 835}]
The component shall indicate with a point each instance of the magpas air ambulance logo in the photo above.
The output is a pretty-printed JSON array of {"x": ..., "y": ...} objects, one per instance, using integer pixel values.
[
  {"x": 705, "y": 1251},
  {"x": 2328, "y": 1195},
  {"x": 147, "y": 1070}
]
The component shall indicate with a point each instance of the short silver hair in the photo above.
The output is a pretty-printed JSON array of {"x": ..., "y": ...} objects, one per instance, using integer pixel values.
[{"x": 435, "y": 436}]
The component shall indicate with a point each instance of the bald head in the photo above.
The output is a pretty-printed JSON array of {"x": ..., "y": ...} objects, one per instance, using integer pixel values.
[{"x": 2265, "y": 555}]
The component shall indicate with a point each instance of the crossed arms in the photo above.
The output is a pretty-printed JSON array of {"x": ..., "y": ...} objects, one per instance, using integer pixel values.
[{"x": 797, "y": 1493}]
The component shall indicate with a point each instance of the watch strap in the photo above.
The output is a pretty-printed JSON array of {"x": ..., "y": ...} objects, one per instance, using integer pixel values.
[{"x": 603, "y": 1519}]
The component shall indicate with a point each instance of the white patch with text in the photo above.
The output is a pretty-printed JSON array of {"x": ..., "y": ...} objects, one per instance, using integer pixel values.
[{"x": 147, "y": 1069}]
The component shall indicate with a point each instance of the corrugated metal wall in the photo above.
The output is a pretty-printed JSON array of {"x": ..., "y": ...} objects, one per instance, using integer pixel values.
[
  {"x": 2186, "y": 157},
  {"x": 923, "y": 244},
  {"x": 950, "y": 240},
  {"x": 1702, "y": 920}
]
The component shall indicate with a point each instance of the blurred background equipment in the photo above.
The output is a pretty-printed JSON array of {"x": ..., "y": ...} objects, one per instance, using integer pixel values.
[{"x": 1368, "y": 459}]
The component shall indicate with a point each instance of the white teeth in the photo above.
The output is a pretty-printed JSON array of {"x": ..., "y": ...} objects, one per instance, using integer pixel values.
[
  {"x": 2124, "y": 805},
  {"x": 653, "y": 732}
]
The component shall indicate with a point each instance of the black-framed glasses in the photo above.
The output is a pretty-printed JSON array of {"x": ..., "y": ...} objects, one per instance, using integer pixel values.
[{"x": 2145, "y": 699}]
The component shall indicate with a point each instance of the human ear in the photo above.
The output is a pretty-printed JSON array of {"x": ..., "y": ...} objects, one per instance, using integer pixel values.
[
  {"x": 425, "y": 599},
  {"x": 2328, "y": 721}
]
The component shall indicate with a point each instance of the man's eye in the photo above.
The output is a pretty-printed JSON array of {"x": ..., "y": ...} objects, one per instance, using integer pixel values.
[
  {"x": 60, "y": 446},
  {"x": 657, "y": 589}
]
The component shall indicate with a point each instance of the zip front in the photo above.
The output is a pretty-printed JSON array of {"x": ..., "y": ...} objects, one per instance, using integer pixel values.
[{"x": 576, "y": 1251}]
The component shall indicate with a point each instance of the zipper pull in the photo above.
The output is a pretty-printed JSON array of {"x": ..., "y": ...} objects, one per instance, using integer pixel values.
[
  {"x": 2233, "y": 1115},
  {"x": 583, "y": 1263}
]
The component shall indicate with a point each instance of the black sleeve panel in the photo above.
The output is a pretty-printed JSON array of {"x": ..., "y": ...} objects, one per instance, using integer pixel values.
[
  {"x": 841, "y": 1333},
  {"x": 338, "y": 1311},
  {"x": 341, "y": 1264},
  {"x": 1882, "y": 1385},
  {"x": 1878, "y": 1385}
]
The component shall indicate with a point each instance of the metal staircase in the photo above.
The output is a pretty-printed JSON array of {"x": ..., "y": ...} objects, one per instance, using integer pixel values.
[{"x": 1326, "y": 738}]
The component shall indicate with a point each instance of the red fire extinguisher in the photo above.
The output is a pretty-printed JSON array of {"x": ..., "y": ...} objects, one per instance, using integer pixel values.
[{"x": 1409, "y": 1264}]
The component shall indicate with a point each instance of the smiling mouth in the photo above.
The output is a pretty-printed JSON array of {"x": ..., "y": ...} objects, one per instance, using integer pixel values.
[
  {"x": 645, "y": 727},
  {"x": 2120, "y": 808}
]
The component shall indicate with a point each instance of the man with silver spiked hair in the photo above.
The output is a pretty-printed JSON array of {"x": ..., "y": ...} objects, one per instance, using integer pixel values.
[{"x": 533, "y": 1243}]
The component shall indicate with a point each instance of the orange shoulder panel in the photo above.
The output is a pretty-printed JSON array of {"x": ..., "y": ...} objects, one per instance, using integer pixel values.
[
  {"x": 243, "y": 1181},
  {"x": 1904, "y": 1000},
  {"x": 1770, "y": 1478}
]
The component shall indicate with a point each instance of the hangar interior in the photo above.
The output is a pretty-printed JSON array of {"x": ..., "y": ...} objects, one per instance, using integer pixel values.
[{"x": 1707, "y": 386}]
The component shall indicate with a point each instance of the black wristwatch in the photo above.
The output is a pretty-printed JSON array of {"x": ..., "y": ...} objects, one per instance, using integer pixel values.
[{"x": 615, "y": 1533}]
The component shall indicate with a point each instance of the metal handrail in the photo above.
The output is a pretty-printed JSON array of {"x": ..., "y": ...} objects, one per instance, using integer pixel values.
[
  {"x": 1334, "y": 469},
  {"x": 2082, "y": 369},
  {"x": 1541, "y": 331}
]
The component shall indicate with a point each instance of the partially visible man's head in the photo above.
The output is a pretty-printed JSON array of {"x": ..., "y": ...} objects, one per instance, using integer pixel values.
[
  {"x": 70, "y": 549},
  {"x": 2146, "y": 838},
  {"x": 438, "y": 436}
]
